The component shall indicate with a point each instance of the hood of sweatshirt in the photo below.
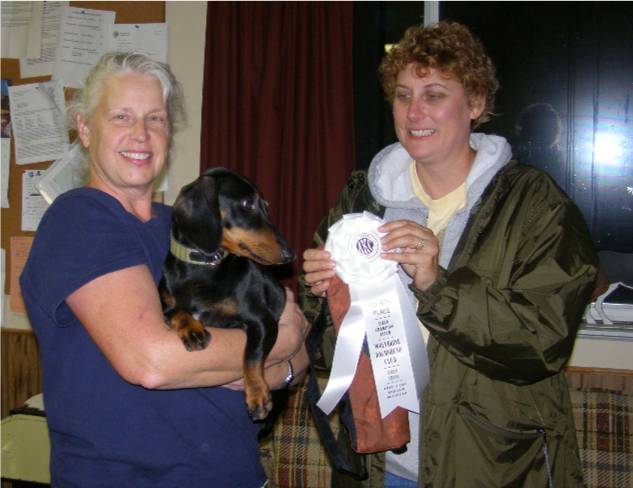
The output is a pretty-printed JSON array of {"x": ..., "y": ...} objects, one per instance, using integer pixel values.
[{"x": 390, "y": 183}]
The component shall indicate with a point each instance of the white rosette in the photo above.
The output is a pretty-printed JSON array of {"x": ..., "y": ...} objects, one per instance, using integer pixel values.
[{"x": 379, "y": 309}]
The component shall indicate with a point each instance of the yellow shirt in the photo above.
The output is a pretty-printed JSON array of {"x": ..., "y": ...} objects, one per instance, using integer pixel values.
[{"x": 442, "y": 209}]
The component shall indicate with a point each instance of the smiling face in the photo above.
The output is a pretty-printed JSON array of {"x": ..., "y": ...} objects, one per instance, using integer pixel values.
[
  {"x": 432, "y": 116},
  {"x": 127, "y": 135}
]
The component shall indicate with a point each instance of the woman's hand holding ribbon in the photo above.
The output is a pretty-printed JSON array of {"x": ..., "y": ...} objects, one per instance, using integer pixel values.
[
  {"x": 319, "y": 270},
  {"x": 418, "y": 250}
]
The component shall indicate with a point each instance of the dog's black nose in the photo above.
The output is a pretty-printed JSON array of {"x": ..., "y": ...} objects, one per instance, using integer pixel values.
[{"x": 287, "y": 255}]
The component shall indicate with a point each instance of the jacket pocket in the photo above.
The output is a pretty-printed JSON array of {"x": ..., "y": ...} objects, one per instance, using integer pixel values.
[{"x": 491, "y": 455}]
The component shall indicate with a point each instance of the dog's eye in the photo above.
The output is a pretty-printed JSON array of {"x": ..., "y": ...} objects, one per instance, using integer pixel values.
[{"x": 248, "y": 204}]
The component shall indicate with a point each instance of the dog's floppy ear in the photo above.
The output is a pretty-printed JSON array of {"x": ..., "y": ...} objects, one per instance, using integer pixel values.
[{"x": 196, "y": 219}]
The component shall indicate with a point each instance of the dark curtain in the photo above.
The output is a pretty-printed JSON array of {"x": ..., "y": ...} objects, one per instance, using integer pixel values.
[{"x": 278, "y": 105}]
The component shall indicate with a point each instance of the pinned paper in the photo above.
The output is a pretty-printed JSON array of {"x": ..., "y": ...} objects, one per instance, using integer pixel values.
[{"x": 20, "y": 247}]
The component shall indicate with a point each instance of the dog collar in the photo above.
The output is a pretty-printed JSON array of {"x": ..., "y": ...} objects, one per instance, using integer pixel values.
[{"x": 194, "y": 256}]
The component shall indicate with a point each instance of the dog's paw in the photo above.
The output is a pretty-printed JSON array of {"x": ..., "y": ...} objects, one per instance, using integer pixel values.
[
  {"x": 259, "y": 403},
  {"x": 192, "y": 333},
  {"x": 195, "y": 339}
]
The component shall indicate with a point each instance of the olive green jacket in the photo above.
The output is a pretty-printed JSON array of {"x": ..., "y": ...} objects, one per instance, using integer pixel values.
[{"x": 502, "y": 318}]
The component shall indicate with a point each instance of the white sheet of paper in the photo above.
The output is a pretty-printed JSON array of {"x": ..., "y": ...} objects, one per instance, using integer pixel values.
[
  {"x": 38, "y": 121},
  {"x": 43, "y": 66},
  {"x": 5, "y": 151},
  {"x": 64, "y": 174},
  {"x": 149, "y": 39},
  {"x": 33, "y": 205},
  {"x": 21, "y": 29},
  {"x": 81, "y": 43}
]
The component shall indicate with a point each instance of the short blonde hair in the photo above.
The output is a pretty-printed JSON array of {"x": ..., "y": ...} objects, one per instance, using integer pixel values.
[{"x": 450, "y": 48}]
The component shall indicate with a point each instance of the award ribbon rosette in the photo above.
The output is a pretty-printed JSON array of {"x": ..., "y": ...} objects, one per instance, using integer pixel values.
[{"x": 379, "y": 310}]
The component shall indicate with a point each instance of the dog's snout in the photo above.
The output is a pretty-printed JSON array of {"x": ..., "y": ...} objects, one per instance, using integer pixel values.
[{"x": 287, "y": 255}]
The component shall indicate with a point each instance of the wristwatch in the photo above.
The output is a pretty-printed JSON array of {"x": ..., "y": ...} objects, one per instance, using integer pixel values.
[{"x": 291, "y": 375}]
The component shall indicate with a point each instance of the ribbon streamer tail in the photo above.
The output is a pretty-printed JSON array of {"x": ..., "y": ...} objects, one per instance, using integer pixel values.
[{"x": 346, "y": 353}]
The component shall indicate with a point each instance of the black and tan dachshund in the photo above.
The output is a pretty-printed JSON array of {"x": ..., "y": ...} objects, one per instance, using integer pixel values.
[{"x": 213, "y": 274}]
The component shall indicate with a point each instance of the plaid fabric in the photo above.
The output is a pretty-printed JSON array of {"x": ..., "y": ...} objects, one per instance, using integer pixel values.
[
  {"x": 292, "y": 455},
  {"x": 604, "y": 428},
  {"x": 294, "y": 458}
]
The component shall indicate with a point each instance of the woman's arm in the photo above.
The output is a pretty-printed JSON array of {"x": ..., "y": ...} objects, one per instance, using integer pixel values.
[
  {"x": 122, "y": 313},
  {"x": 276, "y": 374},
  {"x": 516, "y": 320}
]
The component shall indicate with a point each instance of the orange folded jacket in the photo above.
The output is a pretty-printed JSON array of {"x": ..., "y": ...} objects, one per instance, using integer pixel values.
[{"x": 373, "y": 433}]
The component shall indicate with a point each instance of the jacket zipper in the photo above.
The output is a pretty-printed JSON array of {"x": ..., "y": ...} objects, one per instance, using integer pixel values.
[
  {"x": 548, "y": 466},
  {"x": 526, "y": 434}
]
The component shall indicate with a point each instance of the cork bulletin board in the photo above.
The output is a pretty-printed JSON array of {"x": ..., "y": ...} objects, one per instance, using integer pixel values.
[{"x": 126, "y": 13}]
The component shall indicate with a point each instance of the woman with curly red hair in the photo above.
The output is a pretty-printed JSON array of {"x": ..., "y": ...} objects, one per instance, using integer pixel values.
[{"x": 498, "y": 262}]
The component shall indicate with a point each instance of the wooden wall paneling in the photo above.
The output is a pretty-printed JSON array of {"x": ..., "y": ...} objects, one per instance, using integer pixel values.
[
  {"x": 21, "y": 372},
  {"x": 619, "y": 380}
]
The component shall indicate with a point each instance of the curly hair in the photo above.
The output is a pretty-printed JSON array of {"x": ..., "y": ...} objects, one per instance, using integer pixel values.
[{"x": 450, "y": 48}]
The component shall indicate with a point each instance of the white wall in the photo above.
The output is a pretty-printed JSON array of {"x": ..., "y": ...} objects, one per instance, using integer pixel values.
[
  {"x": 187, "y": 25},
  {"x": 592, "y": 352}
]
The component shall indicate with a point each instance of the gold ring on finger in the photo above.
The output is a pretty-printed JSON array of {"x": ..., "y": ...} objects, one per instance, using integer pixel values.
[{"x": 420, "y": 244}]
